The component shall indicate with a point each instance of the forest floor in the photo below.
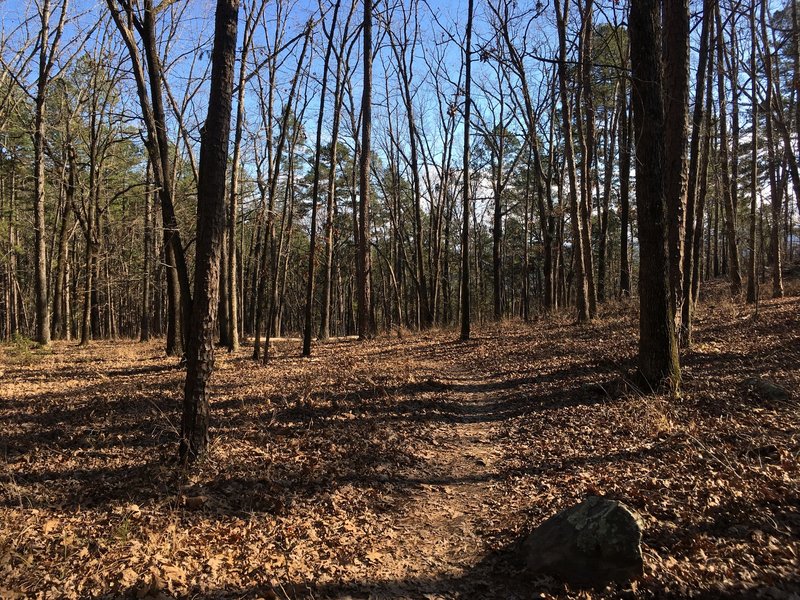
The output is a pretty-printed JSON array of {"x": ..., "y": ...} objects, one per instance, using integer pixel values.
[{"x": 405, "y": 467}]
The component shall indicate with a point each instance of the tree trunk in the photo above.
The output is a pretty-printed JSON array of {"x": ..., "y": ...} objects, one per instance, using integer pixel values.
[
  {"x": 772, "y": 164},
  {"x": 465, "y": 292},
  {"x": 232, "y": 306},
  {"x": 576, "y": 214},
  {"x": 624, "y": 191},
  {"x": 497, "y": 228},
  {"x": 608, "y": 162},
  {"x": 363, "y": 266},
  {"x": 223, "y": 310},
  {"x": 210, "y": 229},
  {"x": 268, "y": 245},
  {"x": 752, "y": 282},
  {"x": 658, "y": 349},
  {"x": 47, "y": 53},
  {"x": 312, "y": 252},
  {"x": 676, "y": 113},
  {"x": 584, "y": 105},
  {"x": 693, "y": 213},
  {"x": 64, "y": 235},
  {"x": 147, "y": 268},
  {"x": 728, "y": 200},
  {"x": 330, "y": 209},
  {"x": 178, "y": 288}
]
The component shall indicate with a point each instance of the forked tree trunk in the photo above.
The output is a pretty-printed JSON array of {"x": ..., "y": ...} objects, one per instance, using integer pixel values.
[{"x": 47, "y": 52}]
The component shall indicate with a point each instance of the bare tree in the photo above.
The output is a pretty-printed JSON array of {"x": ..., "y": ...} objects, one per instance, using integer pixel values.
[
  {"x": 342, "y": 59},
  {"x": 366, "y": 326},
  {"x": 253, "y": 16},
  {"x": 693, "y": 206},
  {"x": 576, "y": 214},
  {"x": 776, "y": 191},
  {"x": 149, "y": 91},
  {"x": 752, "y": 281},
  {"x": 312, "y": 252},
  {"x": 466, "y": 207},
  {"x": 725, "y": 168},
  {"x": 48, "y": 45}
]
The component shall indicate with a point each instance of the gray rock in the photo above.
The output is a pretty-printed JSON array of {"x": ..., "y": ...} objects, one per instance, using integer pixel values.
[
  {"x": 591, "y": 543},
  {"x": 767, "y": 390}
]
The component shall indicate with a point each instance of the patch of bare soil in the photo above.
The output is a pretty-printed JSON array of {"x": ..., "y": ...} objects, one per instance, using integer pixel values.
[{"x": 403, "y": 468}]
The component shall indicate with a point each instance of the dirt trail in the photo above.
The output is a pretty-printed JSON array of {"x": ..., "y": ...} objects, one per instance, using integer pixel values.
[{"x": 442, "y": 547}]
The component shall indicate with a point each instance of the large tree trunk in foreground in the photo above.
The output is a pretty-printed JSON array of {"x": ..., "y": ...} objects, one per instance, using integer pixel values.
[
  {"x": 210, "y": 233},
  {"x": 658, "y": 349}
]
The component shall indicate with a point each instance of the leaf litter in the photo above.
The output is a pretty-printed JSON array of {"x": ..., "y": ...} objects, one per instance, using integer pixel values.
[{"x": 404, "y": 468}]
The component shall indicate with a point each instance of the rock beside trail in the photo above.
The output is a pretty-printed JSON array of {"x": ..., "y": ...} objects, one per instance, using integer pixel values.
[
  {"x": 767, "y": 390},
  {"x": 592, "y": 543}
]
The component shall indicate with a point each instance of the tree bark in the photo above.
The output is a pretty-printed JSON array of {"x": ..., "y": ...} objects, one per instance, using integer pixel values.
[
  {"x": 576, "y": 214},
  {"x": 147, "y": 268},
  {"x": 752, "y": 282},
  {"x": 363, "y": 263},
  {"x": 624, "y": 191},
  {"x": 658, "y": 349},
  {"x": 676, "y": 113},
  {"x": 692, "y": 212},
  {"x": 727, "y": 198},
  {"x": 584, "y": 106},
  {"x": 465, "y": 291},
  {"x": 312, "y": 251},
  {"x": 210, "y": 229}
]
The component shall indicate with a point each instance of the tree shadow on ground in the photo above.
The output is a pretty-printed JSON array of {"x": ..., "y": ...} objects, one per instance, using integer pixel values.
[{"x": 121, "y": 447}]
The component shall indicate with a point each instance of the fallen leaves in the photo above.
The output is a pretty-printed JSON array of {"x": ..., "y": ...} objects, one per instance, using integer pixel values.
[{"x": 407, "y": 468}]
